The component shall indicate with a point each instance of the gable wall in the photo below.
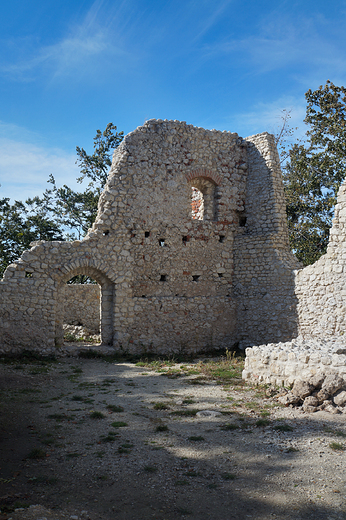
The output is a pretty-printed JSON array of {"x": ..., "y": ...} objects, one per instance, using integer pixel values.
[{"x": 212, "y": 283}]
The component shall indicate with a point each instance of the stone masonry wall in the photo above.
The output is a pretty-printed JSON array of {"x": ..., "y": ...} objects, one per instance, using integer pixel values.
[
  {"x": 169, "y": 281},
  {"x": 263, "y": 264},
  {"x": 320, "y": 288},
  {"x": 82, "y": 306},
  {"x": 321, "y": 310}
]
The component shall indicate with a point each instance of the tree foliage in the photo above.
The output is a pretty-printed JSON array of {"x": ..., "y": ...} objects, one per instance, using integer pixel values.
[
  {"x": 21, "y": 224},
  {"x": 314, "y": 171},
  {"x": 61, "y": 213}
]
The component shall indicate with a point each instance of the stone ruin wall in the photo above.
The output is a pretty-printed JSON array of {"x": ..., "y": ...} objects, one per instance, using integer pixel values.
[
  {"x": 321, "y": 295},
  {"x": 169, "y": 281},
  {"x": 82, "y": 306}
]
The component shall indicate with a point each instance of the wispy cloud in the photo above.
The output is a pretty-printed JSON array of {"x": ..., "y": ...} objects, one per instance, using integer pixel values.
[
  {"x": 85, "y": 46},
  {"x": 267, "y": 117},
  {"x": 281, "y": 42},
  {"x": 210, "y": 20},
  {"x": 26, "y": 166}
]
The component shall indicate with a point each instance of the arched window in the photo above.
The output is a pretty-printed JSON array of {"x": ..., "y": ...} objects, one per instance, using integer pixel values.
[{"x": 203, "y": 199}]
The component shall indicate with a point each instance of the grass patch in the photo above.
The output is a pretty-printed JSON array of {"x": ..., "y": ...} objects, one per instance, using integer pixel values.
[
  {"x": 48, "y": 439},
  {"x": 262, "y": 422},
  {"x": 188, "y": 401},
  {"x": 283, "y": 428},
  {"x": 161, "y": 428},
  {"x": 121, "y": 449},
  {"x": 336, "y": 446},
  {"x": 114, "y": 408},
  {"x": 185, "y": 413},
  {"x": 192, "y": 473},
  {"x": 37, "y": 454},
  {"x": 229, "y": 426},
  {"x": 72, "y": 455},
  {"x": 110, "y": 437},
  {"x": 118, "y": 424},
  {"x": 161, "y": 406},
  {"x": 228, "y": 476},
  {"x": 78, "y": 398},
  {"x": 291, "y": 450},
  {"x": 77, "y": 370},
  {"x": 97, "y": 415},
  {"x": 196, "y": 438},
  {"x": 99, "y": 454},
  {"x": 59, "y": 417}
]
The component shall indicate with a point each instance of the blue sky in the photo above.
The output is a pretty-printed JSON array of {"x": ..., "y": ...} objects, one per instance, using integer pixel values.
[{"x": 69, "y": 68}]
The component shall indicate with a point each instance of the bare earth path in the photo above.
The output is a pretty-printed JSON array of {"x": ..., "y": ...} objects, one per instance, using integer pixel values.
[{"x": 145, "y": 454}]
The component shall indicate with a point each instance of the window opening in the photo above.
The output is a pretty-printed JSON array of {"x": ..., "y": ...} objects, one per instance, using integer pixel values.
[
  {"x": 147, "y": 234},
  {"x": 241, "y": 218},
  {"x": 162, "y": 242},
  {"x": 28, "y": 275},
  {"x": 203, "y": 196},
  {"x": 197, "y": 204},
  {"x": 163, "y": 278},
  {"x": 222, "y": 238},
  {"x": 105, "y": 233},
  {"x": 220, "y": 275},
  {"x": 195, "y": 277}
]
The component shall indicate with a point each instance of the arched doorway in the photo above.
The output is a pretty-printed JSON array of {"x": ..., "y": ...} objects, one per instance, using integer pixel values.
[{"x": 106, "y": 303}]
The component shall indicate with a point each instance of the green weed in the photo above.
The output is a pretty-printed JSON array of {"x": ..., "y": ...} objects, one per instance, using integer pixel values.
[
  {"x": 97, "y": 415},
  {"x": 118, "y": 424}
]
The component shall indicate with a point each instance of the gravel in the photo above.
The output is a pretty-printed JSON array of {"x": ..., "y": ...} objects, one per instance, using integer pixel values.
[{"x": 166, "y": 461}]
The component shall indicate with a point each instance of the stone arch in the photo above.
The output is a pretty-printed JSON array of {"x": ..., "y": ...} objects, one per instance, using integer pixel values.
[
  {"x": 203, "y": 199},
  {"x": 106, "y": 301},
  {"x": 204, "y": 184}
]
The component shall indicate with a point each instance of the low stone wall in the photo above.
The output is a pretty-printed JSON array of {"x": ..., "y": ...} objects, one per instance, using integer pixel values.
[
  {"x": 284, "y": 363},
  {"x": 82, "y": 306}
]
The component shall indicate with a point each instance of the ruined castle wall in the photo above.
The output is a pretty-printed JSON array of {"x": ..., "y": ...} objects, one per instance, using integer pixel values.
[
  {"x": 179, "y": 289},
  {"x": 263, "y": 265},
  {"x": 321, "y": 312},
  {"x": 82, "y": 306},
  {"x": 169, "y": 281},
  {"x": 320, "y": 288}
]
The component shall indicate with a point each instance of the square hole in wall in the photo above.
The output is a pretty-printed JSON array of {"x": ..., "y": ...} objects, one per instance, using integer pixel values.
[
  {"x": 163, "y": 278},
  {"x": 28, "y": 275},
  {"x": 105, "y": 233},
  {"x": 162, "y": 242},
  {"x": 196, "y": 277},
  {"x": 222, "y": 238},
  {"x": 147, "y": 234}
]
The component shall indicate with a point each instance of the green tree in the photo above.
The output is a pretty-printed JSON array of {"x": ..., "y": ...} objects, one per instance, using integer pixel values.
[
  {"x": 76, "y": 211},
  {"x": 19, "y": 227},
  {"x": 314, "y": 171},
  {"x": 61, "y": 213}
]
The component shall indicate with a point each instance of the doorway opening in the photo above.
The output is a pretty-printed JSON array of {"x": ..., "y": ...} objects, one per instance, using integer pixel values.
[{"x": 84, "y": 311}]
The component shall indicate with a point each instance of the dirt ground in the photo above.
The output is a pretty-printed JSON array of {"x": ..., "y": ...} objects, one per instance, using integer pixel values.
[{"x": 91, "y": 439}]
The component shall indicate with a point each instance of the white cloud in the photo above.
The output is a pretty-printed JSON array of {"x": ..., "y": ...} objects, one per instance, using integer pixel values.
[
  {"x": 314, "y": 44},
  {"x": 26, "y": 166},
  {"x": 85, "y": 48},
  {"x": 266, "y": 117}
]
